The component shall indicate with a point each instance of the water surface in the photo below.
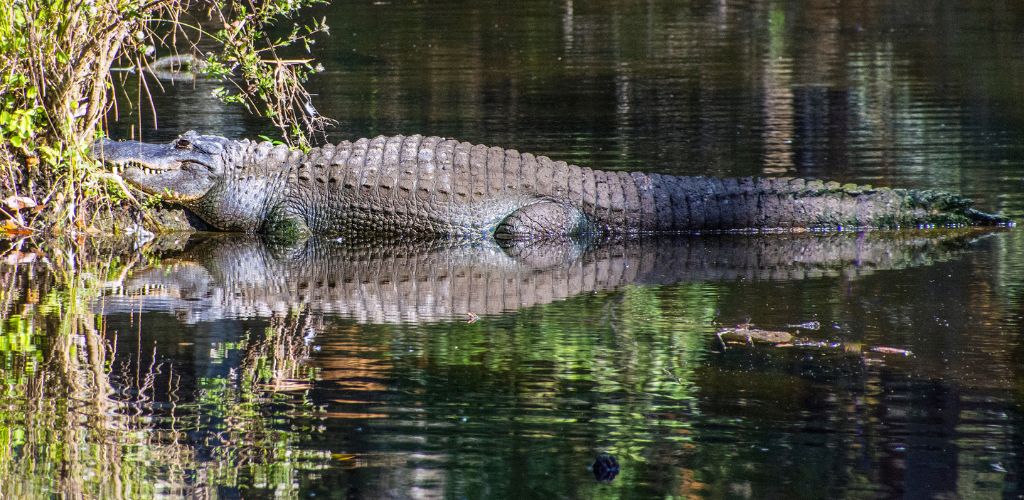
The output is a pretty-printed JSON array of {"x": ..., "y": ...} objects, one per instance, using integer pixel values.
[{"x": 232, "y": 367}]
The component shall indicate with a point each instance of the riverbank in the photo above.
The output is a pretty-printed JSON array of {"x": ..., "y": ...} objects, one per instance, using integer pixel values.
[{"x": 57, "y": 95}]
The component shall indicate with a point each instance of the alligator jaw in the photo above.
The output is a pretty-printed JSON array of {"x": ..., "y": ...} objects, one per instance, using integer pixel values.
[
  {"x": 134, "y": 170},
  {"x": 179, "y": 175}
]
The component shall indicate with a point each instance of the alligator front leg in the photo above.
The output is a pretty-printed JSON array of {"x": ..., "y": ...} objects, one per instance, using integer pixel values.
[{"x": 543, "y": 219}]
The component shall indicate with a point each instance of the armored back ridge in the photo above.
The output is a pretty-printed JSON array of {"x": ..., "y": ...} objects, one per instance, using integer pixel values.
[{"x": 415, "y": 185}]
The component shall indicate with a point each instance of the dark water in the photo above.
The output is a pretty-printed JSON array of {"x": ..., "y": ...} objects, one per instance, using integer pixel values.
[{"x": 230, "y": 367}]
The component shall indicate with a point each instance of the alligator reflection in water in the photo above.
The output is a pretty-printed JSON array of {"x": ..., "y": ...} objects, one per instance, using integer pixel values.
[{"x": 379, "y": 282}]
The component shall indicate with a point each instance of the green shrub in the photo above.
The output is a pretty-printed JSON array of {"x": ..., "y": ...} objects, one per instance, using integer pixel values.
[{"x": 56, "y": 58}]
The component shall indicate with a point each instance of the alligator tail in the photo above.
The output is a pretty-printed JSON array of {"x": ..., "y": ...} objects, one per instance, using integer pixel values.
[
  {"x": 691, "y": 204},
  {"x": 987, "y": 219},
  {"x": 944, "y": 208}
]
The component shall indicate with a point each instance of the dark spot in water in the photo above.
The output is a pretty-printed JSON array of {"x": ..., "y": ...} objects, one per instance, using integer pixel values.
[{"x": 605, "y": 468}]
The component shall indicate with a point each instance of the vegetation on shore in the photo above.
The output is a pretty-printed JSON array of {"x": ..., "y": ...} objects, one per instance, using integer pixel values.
[
  {"x": 76, "y": 423},
  {"x": 56, "y": 89}
]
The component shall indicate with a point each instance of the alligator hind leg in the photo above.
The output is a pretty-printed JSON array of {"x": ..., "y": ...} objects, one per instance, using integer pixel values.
[
  {"x": 282, "y": 227},
  {"x": 542, "y": 220}
]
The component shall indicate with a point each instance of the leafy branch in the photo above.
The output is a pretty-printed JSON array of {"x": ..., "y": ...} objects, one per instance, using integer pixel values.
[{"x": 56, "y": 58}]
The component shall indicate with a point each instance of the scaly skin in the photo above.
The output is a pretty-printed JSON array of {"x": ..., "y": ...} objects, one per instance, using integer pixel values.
[{"x": 433, "y": 186}]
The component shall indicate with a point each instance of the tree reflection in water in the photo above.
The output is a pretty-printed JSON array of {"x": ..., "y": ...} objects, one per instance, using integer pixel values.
[{"x": 227, "y": 364}]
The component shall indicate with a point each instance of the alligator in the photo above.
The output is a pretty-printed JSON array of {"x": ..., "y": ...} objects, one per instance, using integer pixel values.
[{"x": 416, "y": 185}]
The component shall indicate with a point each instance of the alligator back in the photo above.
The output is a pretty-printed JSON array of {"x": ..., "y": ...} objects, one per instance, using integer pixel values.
[{"x": 416, "y": 184}]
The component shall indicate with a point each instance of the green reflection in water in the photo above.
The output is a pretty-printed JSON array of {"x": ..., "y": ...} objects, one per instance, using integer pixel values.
[
  {"x": 80, "y": 420},
  {"x": 228, "y": 368},
  {"x": 519, "y": 404},
  {"x": 63, "y": 432},
  {"x": 872, "y": 92}
]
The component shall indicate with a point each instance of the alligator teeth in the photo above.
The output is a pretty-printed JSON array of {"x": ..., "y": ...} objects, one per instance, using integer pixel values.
[{"x": 137, "y": 165}]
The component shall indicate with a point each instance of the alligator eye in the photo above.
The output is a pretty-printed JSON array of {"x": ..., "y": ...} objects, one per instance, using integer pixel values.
[{"x": 183, "y": 144}]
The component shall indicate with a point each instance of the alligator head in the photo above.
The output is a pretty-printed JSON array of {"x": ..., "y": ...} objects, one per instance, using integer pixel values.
[
  {"x": 183, "y": 170},
  {"x": 210, "y": 175}
]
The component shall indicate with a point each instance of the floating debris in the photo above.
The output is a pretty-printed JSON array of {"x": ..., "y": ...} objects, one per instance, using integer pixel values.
[
  {"x": 891, "y": 350},
  {"x": 747, "y": 335},
  {"x": 817, "y": 344},
  {"x": 807, "y": 325}
]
